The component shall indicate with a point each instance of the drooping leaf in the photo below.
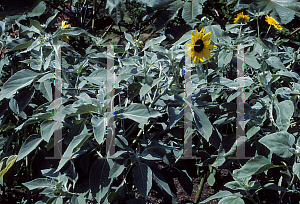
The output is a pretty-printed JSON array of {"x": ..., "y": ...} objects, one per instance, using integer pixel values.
[
  {"x": 6, "y": 163},
  {"x": 142, "y": 178},
  {"x": 72, "y": 149},
  {"x": 99, "y": 179},
  {"x": 168, "y": 14},
  {"x": 203, "y": 124},
  {"x": 19, "y": 80},
  {"x": 185, "y": 181}
]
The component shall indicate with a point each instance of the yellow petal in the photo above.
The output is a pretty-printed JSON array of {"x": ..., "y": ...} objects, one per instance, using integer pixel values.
[
  {"x": 210, "y": 46},
  {"x": 206, "y": 37}
]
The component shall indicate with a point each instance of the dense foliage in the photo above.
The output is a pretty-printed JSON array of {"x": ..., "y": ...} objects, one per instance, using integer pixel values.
[{"x": 150, "y": 101}]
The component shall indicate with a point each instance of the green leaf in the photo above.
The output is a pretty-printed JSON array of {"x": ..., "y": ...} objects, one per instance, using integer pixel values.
[
  {"x": 142, "y": 178},
  {"x": 252, "y": 131},
  {"x": 29, "y": 145},
  {"x": 78, "y": 199},
  {"x": 13, "y": 104},
  {"x": 147, "y": 87},
  {"x": 99, "y": 128},
  {"x": 154, "y": 41},
  {"x": 19, "y": 80},
  {"x": 217, "y": 33},
  {"x": 279, "y": 143},
  {"x": 99, "y": 178},
  {"x": 191, "y": 9},
  {"x": 155, "y": 5},
  {"x": 39, "y": 183},
  {"x": 203, "y": 124},
  {"x": 168, "y": 14},
  {"x": 255, "y": 165},
  {"x": 220, "y": 194},
  {"x": 296, "y": 169},
  {"x": 72, "y": 31},
  {"x": 161, "y": 182},
  {"x": 46, "y": 89},
  {"x": 174, "y": 115},
  {"x": 115, "y": 10},
  {"x": 140, "y": 113},
  {"x": 116, "y": 169},
  {"x": 38, "y": 10},
  {"x": 71, "y": 149},
  {"x": 251, "y": 61},
  {"x": 224, "y": 57},
  {"x": 234, "y": 185},
  {"x": 48, "y": 127},
  {"x": 276, "y": 63},
  {"x": 129, "y": 38},
  {"x": 284, "y": 9},
  {"x": 233, "y": 199},
  {"x": 36, "y": 24},
  {"x": 273, "y": 186},
  {"x": 6, "y": 163},
  {"x": 17, "y": 44},
  {"x": 284, "y": 112}
]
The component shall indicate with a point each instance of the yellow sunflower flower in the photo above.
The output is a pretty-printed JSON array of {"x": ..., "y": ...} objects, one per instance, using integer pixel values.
[
  {"x": 200, "y": 46},
  {"x": 241, "y": 18},
  {"x": 64, "y": 24},
  {"x": 271, "y": 21}
]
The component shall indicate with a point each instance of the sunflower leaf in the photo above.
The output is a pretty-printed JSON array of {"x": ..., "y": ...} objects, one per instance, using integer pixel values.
[
  {"x": 284, "y": 9},
  {"x": 191, "y": 9}
]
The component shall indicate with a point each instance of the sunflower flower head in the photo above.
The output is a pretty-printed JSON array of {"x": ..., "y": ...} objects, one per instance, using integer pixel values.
[
  {"x": 271, "y": 21},
  {"x": 64, "y": 24},
  {"x": 242, "y": 19},
  {"x": 200, "y": 46},
  {"x": 65, "y": 39}
]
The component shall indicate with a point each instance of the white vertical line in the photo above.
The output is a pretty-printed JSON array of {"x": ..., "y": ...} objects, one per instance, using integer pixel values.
[
  {"x": 240, "y": 100},
  {"x": 110, "y": 140},
  {"x": 188, "y": 130},
  {"x": 57, "y": 103}
]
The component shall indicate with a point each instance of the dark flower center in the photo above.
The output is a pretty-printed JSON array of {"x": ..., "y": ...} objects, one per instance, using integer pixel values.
[
  {"x": 199, "y": 45},
  {"x": 241, "y": 21}
]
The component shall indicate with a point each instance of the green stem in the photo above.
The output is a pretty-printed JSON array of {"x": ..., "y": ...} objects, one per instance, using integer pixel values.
[
  {"x": 267, "y": 31},
  {"x": 201, "y": 185},
  {"x": 240, "y": 31}
]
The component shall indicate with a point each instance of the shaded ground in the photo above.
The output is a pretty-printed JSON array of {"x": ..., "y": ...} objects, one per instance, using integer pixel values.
[{"x": 15, "y": 195}]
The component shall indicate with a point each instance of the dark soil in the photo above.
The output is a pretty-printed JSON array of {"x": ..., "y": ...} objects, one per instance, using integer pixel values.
[{"x": 15, "y": 195}]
